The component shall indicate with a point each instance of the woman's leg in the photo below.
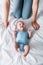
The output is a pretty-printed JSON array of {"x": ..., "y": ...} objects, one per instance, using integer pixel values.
[
  {"x": 16, "y": 8},
  {"x": 27, "y": 9}
]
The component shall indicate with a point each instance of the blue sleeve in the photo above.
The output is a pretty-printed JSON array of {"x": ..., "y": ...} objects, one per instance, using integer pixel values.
[
  {"x": 28, "y": 33},
  {"x": 16, "y": 33}
]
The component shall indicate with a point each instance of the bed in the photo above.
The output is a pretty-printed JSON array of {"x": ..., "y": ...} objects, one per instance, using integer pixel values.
[{"x": 7, "y": 51}]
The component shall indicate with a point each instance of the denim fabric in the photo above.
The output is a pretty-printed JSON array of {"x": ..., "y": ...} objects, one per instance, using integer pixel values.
[
  {"x": 21, "y": 8},
  {"x": 27, "y": 9}
]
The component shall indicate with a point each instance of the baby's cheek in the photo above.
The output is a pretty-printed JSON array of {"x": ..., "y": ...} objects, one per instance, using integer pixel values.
[{"x": 25, "y": 27}]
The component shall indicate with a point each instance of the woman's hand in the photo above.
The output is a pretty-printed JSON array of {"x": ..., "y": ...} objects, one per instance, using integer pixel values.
[
  {"x": 6, "y": 24},
  {"x": 35, "y": 25}
]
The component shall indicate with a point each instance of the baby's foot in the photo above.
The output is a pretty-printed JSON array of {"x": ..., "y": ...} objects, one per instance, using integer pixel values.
[
  {"x": 24, "y": 57},
  {"x": 19, "y": 53}
]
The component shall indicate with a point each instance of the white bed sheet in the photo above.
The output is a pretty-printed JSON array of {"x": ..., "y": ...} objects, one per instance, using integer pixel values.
[{"x": 7, "y": 52}]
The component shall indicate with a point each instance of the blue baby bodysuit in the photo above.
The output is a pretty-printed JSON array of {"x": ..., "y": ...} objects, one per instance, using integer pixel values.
[{"x": 22, "y": 39}]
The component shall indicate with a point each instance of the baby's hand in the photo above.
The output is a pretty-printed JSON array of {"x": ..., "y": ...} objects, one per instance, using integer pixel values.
[
  {"x": 30, "y": 33},
  {"x": 19, "y": 54}
]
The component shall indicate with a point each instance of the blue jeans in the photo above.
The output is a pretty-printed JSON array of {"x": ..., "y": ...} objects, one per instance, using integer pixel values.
[{"x": 21, "y": 8}]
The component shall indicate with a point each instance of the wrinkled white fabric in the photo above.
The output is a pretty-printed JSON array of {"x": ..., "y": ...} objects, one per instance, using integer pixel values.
[{"x": 8, "y": 55}]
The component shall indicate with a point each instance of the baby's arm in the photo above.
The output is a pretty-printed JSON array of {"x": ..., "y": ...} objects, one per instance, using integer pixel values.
[
  {"x": 14, "y": 34},
  {"x": 30, "y": 34}
]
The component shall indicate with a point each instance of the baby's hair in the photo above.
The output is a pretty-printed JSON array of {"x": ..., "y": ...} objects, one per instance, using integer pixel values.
[{"x": 17, "y": 23}]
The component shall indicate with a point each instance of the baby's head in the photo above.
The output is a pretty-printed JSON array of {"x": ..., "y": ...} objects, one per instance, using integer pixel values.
[{"x": 20, "y": 26}]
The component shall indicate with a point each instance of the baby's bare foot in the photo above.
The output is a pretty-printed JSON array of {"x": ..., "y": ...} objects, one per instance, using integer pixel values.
[
  {"x": 24, "y": 54},
  {"x": 24, "y": 57},
  {"x": 19, "y": 53}
]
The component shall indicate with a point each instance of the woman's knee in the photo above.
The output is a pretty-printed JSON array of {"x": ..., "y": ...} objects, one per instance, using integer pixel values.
[
  {"x": 16, "y": 8},
  {"x": 27, "y": 9},
  {"x": 26, "y": 15}
]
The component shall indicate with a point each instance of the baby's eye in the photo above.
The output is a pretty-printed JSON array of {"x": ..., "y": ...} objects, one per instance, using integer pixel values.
[
  {"x": 19, "y": 24},
  {"x": 23, "y": 23}
]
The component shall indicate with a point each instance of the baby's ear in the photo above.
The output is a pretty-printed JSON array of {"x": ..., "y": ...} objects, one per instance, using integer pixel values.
[{"x": 16, "y": 28}]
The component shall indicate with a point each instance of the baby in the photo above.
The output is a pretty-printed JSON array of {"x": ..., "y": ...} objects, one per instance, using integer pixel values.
[{"x": 22, "y": 36}]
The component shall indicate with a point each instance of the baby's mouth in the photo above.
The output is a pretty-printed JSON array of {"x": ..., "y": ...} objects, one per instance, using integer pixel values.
[{"x": 22, "y": 28}]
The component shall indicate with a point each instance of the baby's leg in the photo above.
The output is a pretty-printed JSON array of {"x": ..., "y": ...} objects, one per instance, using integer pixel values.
[
  {"x": 16, "y": 48},
  {"x": 26, "y": 50}
]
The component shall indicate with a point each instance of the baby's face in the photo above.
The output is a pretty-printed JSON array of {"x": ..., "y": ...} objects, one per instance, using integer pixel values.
[{"x": 21, "y": 26}]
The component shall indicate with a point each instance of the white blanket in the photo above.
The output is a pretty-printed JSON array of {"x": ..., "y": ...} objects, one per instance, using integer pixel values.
[{"x": 7, "y": 51}]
